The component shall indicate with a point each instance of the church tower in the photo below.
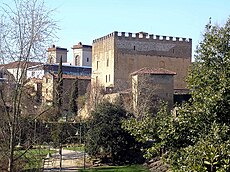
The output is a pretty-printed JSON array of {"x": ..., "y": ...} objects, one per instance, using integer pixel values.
[
  {"x": 82, "y": 55},
  {"x": 55, "y": 54}
]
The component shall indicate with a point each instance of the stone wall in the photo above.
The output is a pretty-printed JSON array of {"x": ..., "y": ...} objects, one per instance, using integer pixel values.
[
  {"x": 127, "y": 52},
  {"x": 103, "y": 62}
]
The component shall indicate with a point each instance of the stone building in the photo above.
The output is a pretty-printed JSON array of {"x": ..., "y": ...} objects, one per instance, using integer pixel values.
[
  {"x": 40, "y": 70},
  {"x": 55, "y": 54},
  {"x": 49, "y": 85},
  {"x": 82, "y": 55},
  {"x": 150, "y": 85},
  {"x": 17, "y": 68},
  {"x": 117, "y": 55}
]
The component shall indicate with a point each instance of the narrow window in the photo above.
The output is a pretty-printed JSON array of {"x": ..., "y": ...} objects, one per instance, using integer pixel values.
[
  {"x": 97, "y": 64},
  {"x": 106, "y": 78},
  {"x": 109, "y": 78},
  {"x": 47, "y": 80},
  {"x": 162, "y": 64},
  {"x": 107, "y": 62},
  {"x": 173, "y": 51},
  {"x": 96, "y": 79},
  {"x": 87, "y": 59},
  {"x": 46, "y": 90},
  {"x": 77, "y": 60},
  {"x": 134, "y": 48}
]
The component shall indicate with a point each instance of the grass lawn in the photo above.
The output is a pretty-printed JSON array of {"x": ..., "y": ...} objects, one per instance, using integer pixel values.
[
  {"x": 131, "y": 168},
  {"x": 76, "y": 148},
  {"x": 33, "y": 157}
]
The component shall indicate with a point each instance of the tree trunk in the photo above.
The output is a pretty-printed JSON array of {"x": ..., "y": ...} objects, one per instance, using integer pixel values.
[{"x": 11, "y": 149}]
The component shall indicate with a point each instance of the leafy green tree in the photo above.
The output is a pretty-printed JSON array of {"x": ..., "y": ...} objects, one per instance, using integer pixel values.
[
  {"x": 209, "y": 76},
  {"x": 106, "y": 138},
  {"x": 196, "y": 137},
  {"x": 207, "y": 118},
  {"x": 209, "y": 153}
]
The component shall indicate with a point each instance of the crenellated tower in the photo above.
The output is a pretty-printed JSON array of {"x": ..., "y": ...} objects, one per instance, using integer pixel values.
[{"x": 118, "y": 54}]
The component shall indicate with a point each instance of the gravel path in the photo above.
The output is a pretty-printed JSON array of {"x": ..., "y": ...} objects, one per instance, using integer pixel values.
[{"x": 71, "y": 161}]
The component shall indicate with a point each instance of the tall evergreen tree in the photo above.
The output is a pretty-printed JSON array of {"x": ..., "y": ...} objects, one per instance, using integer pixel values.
[
  {"x": 59, "y": 90},
  {"x": 74, "y": 95}
]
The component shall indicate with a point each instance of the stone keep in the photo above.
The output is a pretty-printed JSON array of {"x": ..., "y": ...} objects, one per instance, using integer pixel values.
[{"x": 117, "y": 55}]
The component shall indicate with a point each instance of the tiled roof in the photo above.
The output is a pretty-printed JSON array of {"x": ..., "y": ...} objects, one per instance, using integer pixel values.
[
  {"x": 81, "y": 46},
  {"x": 16, "y": 63},
  {"x": 72, "y": 76},
  {"x": 155, "y": 71}
]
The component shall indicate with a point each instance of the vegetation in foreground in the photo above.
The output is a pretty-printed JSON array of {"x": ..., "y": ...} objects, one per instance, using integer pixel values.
[
  {"x": 107, "y": 140},
  {"x": 197, "y": 136},
  {"x": 32, "y": 159}
]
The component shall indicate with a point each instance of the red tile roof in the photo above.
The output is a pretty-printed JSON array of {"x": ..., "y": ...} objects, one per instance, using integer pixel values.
[
  {"x": 16, "y": 63},
  {"x": 155, "y": 71},
  {"x": 80, "y": 45},
  {"x": 72, "y": 76}
]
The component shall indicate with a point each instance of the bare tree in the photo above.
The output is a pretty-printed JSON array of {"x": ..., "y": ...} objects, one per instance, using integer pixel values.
[
  {"x": 144, "y": 96},
  {"x": 28, "y": 30}
]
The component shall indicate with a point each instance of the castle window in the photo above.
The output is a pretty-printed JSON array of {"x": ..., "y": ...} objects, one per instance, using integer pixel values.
[
  {"x": 96, "y": 79},
  {"x": 106, "y": 78},
  {"x": 162, "y": 64},
  {"x": 134, "y": 47},
  {"x": 107, "y": 62},
  {"x": 50, "y": 59},
  {"x": 77, "y": 60},
  {"x": 97, "y": 64},
  {"x": 87, "y": 59},
  {"x": 109, "y": 78},
  {"x": 46, "y": 90},
  {"x": 173, "y": 50}
]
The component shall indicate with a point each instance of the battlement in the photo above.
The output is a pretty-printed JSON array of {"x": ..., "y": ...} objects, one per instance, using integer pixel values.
[{"x": 144, "y": 36}]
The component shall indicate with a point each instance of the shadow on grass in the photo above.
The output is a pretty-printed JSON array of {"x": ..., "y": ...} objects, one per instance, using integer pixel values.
[{"x": 131, "y": 168}]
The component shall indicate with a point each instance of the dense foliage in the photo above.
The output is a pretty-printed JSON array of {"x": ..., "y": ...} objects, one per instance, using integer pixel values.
[
  {"x": 196, "y": 137},
  {"x": 73, "y": 106},
  {"x": 107, "y": 140}
]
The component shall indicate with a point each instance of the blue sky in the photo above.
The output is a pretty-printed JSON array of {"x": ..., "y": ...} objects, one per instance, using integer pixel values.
[{"x": 86, "y": 20}]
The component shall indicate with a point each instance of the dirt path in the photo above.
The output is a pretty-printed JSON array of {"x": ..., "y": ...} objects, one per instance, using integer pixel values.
[{"x": 71, "y": 161}]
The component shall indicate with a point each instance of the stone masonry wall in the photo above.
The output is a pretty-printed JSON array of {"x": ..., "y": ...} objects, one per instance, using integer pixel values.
[{"x": 128, "y": 52}]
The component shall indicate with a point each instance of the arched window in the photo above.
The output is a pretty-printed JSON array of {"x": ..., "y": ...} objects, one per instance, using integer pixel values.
[
  {"x": 162, "y": 64},
  {"x": 77, "y": 60}
]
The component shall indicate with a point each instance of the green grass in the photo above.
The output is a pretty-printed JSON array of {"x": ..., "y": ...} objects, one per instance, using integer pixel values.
[
  {"x": 76, "y": 148},
  {"x": 131, "y": 168},
  {"x": 33, "y": 157}
]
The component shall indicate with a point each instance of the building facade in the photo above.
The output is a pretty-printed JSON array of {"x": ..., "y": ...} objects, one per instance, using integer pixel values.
[
  {"x": 49, "y": 88},
  {"x": 117, "y": 55},
  {"x": 18, "y": 68},
  {"x": 39, "y": 71},
  {"x": 151, "y": 85},
  {"x": 82, "y": 55},
  {"x": 56, "y": 53}
]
